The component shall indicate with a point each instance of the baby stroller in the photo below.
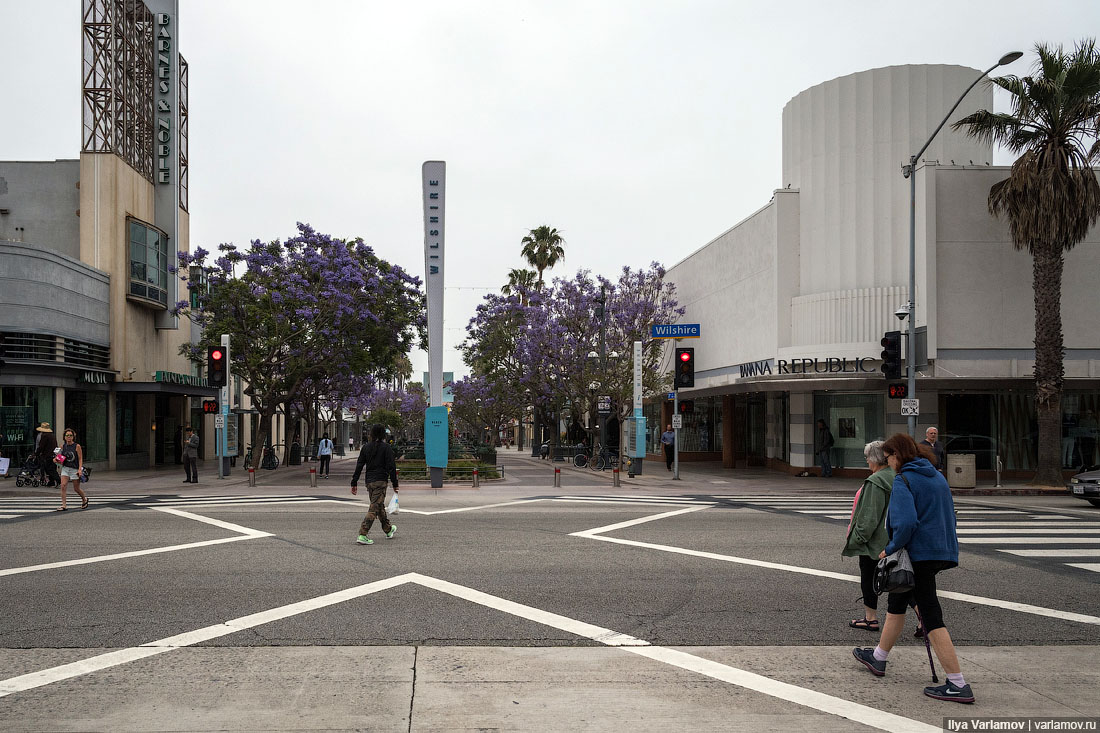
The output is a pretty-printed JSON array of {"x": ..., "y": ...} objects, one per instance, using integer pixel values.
[{"x": 31, "y": 474}]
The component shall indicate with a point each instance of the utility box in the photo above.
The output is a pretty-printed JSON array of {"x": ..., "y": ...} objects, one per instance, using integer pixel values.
[{"x": 960, "y": 471}]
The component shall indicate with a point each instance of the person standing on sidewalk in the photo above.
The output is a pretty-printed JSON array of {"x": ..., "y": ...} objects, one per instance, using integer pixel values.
[
  {"x": 668, "y": 439},
  {"x": 190, "y": 455},
  {"x": 823, "y": 443},
  {"x": 44, "y": 446},
  {"x": 930, "y": 440},
  {"x": 324, "y": 455},
  {"x": 71, "y": 468},
  {"x": 377, "y": 465}
]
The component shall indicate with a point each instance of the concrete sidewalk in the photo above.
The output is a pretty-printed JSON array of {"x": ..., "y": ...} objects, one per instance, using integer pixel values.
[{"x": 711, "y": 475}]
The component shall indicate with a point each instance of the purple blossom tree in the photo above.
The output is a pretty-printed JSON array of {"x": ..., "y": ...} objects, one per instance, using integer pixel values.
[{"x": 301, "y": 313}]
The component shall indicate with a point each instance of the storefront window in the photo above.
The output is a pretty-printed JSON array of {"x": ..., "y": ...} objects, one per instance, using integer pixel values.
[
  {"x": 1006, "y": 425},
  {"x": 21, "y": 411},
  {"x": 854, "y": 420},
  {"x": 86, "y": 413},
  {"x": 698, "y": 433},
  {"x": 125, "y": 409}
]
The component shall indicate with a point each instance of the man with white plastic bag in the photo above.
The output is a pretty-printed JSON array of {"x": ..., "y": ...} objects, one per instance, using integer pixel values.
[{"x": 377, "y": 465}]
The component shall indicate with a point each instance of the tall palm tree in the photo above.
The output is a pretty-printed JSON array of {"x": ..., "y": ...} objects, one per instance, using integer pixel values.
[
  {"x": 520, "y": 280},
  {"x": 542, "y": 247},
  {"x": 1051, "y": 198}
]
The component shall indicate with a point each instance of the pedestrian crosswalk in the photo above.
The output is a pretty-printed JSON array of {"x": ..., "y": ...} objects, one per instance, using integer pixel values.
[
  {"x": 20, "y": 507},
  {"x": 1011, "y": 531},
  {"x": 637, "y": 500}
]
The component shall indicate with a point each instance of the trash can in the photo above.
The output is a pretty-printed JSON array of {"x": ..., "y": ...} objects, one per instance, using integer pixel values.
[
  {"x": 960, "y": 471},
  {"x": 295, "y": 454}
]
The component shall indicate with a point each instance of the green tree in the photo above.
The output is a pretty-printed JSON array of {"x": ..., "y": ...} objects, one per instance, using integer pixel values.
[
  {"x": 1051, "y": 198},
  {"x": 542, "y": 248}
]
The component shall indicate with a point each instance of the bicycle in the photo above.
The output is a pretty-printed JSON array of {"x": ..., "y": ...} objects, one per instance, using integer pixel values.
[
  {"x": 597, "y": 461},
  {"x": 268, "y": 460}
]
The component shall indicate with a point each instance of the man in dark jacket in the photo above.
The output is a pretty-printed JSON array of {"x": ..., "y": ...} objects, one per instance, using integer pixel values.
[
  {"x": 823, "y": 445},
  {"x": 931, "y": 436},
  {"x": 377, "y": 466}
]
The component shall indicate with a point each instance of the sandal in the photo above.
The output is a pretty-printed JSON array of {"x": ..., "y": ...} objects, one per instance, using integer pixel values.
[
  {"x": 84, "y": 503},
  {"x": 864, "y": 623},
  {"x": 62, "y": 509}
]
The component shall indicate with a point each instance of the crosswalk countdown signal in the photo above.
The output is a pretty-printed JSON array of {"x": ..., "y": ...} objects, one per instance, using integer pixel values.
[
  {"x": 217, "y": 371},
  {"x": 685, "y": 368},
  {"x": 891, "y": 354}
]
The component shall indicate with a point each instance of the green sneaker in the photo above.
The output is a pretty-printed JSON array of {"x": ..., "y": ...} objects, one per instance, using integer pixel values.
[
  {"x": 393, "y": 528},
  {"x": 364, "y": 540}
]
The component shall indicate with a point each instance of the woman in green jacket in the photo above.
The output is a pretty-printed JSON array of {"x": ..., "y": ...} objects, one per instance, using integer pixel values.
[{"x": 867, "y": 534}]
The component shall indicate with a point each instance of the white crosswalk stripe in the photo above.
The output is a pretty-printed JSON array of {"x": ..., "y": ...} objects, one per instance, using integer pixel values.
[
  {"x": 16, "y": 507},
  {"x": 1004, "y": 530}
]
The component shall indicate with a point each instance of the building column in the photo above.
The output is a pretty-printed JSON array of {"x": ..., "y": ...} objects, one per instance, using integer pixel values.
[
  {"x": 728, "y": 458},
  {"x": 112, "y": 431},
  {"x": 802, "y": 430}
]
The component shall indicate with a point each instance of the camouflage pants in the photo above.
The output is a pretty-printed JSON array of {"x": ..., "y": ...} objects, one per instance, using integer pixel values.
[{"x": 376, "y": 490}]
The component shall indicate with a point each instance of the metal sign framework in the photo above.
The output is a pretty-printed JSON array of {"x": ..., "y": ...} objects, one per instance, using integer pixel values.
[{"x": 118, "y": 84}]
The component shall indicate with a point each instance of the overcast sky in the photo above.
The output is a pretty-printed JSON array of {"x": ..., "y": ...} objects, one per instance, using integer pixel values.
[{"x": 641, "y": 130}]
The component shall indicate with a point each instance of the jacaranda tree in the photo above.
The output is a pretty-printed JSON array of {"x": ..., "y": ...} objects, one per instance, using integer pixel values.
[{"x": 299, "y": 312}]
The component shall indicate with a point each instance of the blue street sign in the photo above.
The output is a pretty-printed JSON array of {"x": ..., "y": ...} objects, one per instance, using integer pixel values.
[
  {"x": 675, "y": 331},
  {"x": 672, "y": 395}
]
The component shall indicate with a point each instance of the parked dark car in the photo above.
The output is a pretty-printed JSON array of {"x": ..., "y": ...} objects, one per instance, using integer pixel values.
[{"x": 1086, "y": 486}]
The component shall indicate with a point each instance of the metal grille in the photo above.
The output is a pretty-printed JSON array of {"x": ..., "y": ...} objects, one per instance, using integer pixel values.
[
  {"x": 118, "y": 82},
  {"x": 57, "y": 350}
]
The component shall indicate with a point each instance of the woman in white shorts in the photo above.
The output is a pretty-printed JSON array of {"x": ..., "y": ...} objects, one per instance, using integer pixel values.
[{"x": 71, "y": 468}]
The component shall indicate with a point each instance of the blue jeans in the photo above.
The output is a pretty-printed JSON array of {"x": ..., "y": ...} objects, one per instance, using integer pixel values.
[{"x": 823, "y": 461}]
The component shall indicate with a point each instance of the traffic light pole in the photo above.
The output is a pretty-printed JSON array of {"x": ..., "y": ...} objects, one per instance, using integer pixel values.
[
  {"x": 675, "y": 438},
  {"x": 221, "y": 435}
]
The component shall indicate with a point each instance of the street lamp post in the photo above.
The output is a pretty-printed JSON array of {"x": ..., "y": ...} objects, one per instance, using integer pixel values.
[{"x": 910, "y": 171}]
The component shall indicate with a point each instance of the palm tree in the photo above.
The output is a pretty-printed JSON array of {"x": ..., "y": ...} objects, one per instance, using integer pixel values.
[
  {"x": 520, "y": 280},
  {"x": 542, "y": 247},
  {"x": 1051, "y": 198}
]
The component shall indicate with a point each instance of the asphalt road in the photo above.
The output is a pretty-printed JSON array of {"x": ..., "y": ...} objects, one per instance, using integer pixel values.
[{"x": 266, "y": 593}]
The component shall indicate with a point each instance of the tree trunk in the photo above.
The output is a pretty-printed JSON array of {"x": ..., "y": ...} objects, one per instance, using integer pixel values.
[
  {"x": 1047, "y": 264},
  {"x": 263, "y": 437}
]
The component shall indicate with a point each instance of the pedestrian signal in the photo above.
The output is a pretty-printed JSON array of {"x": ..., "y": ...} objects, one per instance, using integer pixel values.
[
  {"x": 898, "y": 391},
  {"x": 209, "y": 406},
  {"x": 687, "y": 407}
]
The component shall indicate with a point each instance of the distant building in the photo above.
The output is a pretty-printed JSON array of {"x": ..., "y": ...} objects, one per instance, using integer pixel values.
[{"x": 794, "y": 300}]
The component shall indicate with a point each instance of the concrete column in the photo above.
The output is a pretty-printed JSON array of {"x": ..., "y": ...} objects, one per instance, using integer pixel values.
[
  {"x": 802, "y": 430},
  {"x": 728, "y": 458},
  {"x": 112, "y": 431}
]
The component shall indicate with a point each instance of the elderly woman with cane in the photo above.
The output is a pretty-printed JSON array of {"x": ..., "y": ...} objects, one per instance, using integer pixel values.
[{"x": 921, "y": 519}]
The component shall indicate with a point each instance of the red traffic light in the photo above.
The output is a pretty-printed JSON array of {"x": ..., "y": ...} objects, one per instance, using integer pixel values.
[
  {"x": 216, "y": 354},
  {"x": 685, "y": 356}
]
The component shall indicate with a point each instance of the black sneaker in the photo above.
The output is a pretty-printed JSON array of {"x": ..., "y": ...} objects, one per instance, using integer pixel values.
[
  {"x": 875, "y": 667},
  {"x": 950, "y": 692}
]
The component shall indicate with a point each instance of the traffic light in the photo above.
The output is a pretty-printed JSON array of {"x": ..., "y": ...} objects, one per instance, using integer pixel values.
[
  {"x": 898, "y": 391},
  {"x": 209, "y": 406},
  {"x": 891, "y": 354},
  {"x": 687, "y": 407},
  {"x": 217, "y": 371},
  {"x": 685, "y": 368}
]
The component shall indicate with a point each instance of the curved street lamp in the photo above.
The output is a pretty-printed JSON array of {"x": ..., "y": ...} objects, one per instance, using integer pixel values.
[{"x": 909, "y": 171}]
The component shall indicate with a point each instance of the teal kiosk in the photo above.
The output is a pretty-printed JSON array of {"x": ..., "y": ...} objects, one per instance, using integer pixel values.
[{"x": 435, "y": 444}]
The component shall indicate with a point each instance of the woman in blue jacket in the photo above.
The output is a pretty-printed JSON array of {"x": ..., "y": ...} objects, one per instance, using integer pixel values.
[{"x": 921, "y": 518}]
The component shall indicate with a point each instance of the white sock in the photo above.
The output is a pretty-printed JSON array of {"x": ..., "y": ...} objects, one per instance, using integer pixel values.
[
  {"x": 956, "y": 679},
  {"x": 880, "y": 655}
]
